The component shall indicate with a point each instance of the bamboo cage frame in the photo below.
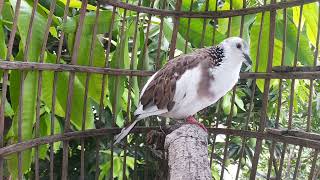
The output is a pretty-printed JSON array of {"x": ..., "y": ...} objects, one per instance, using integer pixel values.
[{"x": 303, "y": 139}]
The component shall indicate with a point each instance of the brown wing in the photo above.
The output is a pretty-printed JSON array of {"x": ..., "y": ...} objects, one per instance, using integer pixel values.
[{"x": 161, "y": 89}]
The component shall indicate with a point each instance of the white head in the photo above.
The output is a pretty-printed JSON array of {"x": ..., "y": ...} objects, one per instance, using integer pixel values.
[{"x": 238, "y": 48}]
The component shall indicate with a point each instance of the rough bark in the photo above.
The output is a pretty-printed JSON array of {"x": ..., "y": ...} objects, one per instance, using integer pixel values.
[{"x": 187, "y": 149}]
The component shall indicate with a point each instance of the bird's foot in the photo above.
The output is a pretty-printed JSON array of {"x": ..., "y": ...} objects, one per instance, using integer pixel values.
[{"x": 192, "y": 120}]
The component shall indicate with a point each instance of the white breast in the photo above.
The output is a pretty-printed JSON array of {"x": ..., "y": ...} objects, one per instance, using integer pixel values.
[{"x": 225, "y": 77}]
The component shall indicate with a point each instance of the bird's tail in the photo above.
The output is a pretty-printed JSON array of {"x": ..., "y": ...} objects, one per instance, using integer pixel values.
[{"x": 125, "y": 131}]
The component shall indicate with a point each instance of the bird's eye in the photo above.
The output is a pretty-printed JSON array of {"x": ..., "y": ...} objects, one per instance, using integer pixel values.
[{"x": 239, "y": 46}]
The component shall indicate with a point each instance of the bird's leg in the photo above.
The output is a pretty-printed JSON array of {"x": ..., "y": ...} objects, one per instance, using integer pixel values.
[{"x": 192, "y": 120}]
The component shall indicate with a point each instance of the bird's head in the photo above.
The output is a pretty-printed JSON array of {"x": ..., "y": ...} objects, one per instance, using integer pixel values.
[{"x": 239, "y": 49}]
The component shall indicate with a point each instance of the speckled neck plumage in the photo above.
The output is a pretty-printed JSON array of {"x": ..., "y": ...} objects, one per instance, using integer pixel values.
[{"x": 217, "y": 54}]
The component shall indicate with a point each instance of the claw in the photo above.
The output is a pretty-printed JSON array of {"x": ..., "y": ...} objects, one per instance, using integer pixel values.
[{"x": 192, "y": 120}]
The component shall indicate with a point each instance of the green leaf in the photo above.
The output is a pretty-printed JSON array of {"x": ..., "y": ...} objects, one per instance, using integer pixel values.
[
  {"x": 103, "y": 26},
  {"x": 8, "y": 111},
  {"x": 3, "y": 47},
  {"x": 195, "y": 32},
  {"x": 116, "y": 84},
  {"x": 235, "y": 111},
  {"x": 135, "y": 85},
  {"x": 37, "y": 30},
  {"x": 264, "y": 45},
  {"x": 44, "y": 131},
  {"x": 12, "y": 161},
  {"x": 77, "y": 4},
  {"x": 185, "y": 6},
  {"x": 167, "y": 31},
  {"x": 144, "y": 59},
  {"x": 95, "y": 81},
  {"x": 309, "y": 19},
  {"x": 47, "y": 92},
  {"x": 45, "y": 128},
  {"x": 305, "y": 55},
  {"x": 236, "y": 25},
  {"x": 57, "y": 130},
  {"x": 239, "y": 102},
  {"x": 215, "y": 172},
  {"x": 130, "y": 162},
  {"x": 235, "y": 21},
  {"x": 44, "y": 12},
  {"x": 104, "y": 20},
  {"x": 264, "y": 48},
  {"x": 226, "y": 104},
  {"x": 28, "y": 118},
  {"x": 222, "y": 22},
  {"x": 310, "y": 13},
  {"x": 120, "y": 119},
  {"x": 59, "y": 9},
  {"x": 296, "y": 16},
  {"x": 30, "y": 82},
  {"x": 117, "y": 165},
  {"x": 7, "y": 15},
  {"x": 104, "y": 170},
  {"x": 117, "y": 170},
  {"x": 53, "y": 32},
  {"x": 77, "y": 99}
]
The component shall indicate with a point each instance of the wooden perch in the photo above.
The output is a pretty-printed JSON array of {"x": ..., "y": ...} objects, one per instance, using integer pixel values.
[
  {"x": 187, "y": 149},
  {"x": 285, "y": 69},
  {"x": 294, "y": 132}
]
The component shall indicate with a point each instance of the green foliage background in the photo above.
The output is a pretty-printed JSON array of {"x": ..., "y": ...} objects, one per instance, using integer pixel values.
[{"x": 142, "y": 57}]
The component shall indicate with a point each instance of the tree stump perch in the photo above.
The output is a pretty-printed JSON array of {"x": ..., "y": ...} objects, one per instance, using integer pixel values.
[{"x": 187, "y": 153}]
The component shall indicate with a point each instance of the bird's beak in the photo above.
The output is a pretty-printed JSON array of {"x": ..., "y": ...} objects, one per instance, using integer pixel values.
[{"x": 247, "y": 61}]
